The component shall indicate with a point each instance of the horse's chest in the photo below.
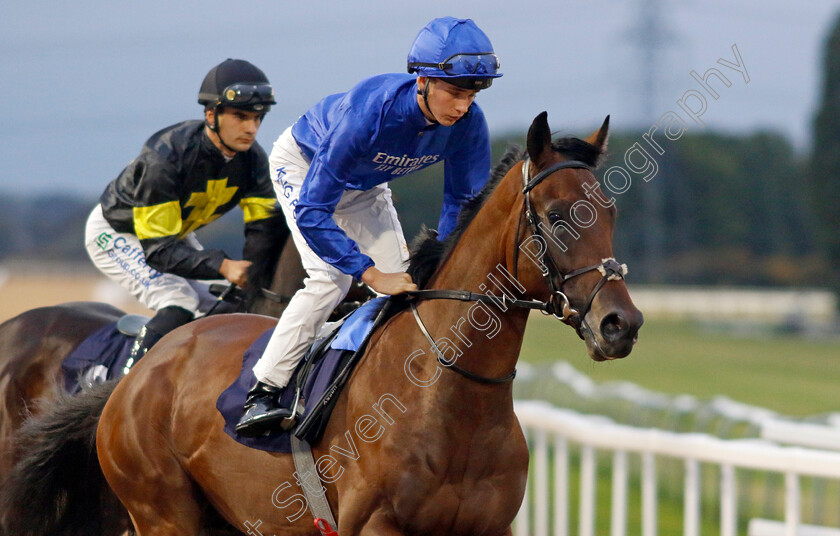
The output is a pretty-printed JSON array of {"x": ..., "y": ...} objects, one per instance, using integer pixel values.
[
  {"x": 451, "y": 494},
  {"x": 474, "y": 507}
]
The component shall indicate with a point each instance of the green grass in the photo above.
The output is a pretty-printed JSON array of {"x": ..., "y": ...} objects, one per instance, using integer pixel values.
[{"x": 788, "y": 374}]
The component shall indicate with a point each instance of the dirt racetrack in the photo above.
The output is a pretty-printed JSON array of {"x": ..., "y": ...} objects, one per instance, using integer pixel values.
[{"x": 24, "y": 287}]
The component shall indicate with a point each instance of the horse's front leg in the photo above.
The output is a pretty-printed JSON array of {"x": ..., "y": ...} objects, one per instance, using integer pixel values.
[
  {"x": 382, "y": 525},
  {"x": 378, "y": 524},
  {"x": 362, "y": 514},
  {"x": 378, "y": 528}
]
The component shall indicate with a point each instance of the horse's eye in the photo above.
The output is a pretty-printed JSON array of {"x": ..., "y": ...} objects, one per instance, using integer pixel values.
[{"x": 554, "y": 216}]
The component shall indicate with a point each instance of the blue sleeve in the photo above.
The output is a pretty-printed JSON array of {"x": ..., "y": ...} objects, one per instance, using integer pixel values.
[
  {"x": 466, "y": 169},
  {"x": 322, "y": 189}
]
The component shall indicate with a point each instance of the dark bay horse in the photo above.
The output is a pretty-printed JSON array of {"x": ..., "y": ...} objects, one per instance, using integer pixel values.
[
  {"x": 34, "y": 343},
  {"x": 424, "y": 439}
]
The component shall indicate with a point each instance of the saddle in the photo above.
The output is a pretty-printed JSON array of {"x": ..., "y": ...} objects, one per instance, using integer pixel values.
[
  {"x": 315, "y": 385},
  {"x": 103, "y": 355}
]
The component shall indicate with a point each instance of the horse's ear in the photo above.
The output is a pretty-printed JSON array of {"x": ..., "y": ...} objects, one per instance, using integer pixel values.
[
  {"x": 599, "y": 138},
  {"x": 539, "y": 138}
]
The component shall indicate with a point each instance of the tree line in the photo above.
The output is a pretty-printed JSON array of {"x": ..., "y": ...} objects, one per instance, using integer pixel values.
[{"x": 733, "y": 210}]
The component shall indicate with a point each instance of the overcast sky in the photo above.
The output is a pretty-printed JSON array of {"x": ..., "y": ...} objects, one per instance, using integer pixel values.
[{"x": 84, "y": 83}]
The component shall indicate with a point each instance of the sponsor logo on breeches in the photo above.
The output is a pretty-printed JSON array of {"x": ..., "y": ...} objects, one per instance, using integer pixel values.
[{"x": 130, "y": 259}]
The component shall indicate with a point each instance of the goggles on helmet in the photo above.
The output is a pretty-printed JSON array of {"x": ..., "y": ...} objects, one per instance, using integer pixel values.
[
  {"x": 239, "y": 95},
  {"x": 469, "y": 82},
  {"x": 484, "y": 63}
]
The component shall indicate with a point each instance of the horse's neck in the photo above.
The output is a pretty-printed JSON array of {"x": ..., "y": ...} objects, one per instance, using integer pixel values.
[
  {"x": 287, "y": 277},
  {"x": 488, "y": 336}
]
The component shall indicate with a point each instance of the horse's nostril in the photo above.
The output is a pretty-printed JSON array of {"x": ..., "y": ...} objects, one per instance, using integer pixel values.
[{"x": 612, "y": 327}]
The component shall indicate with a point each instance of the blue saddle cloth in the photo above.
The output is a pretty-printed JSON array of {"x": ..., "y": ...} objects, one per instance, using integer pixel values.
[
  {"x": 100, "y": 357},
  {"x": 352, "y": 333}
]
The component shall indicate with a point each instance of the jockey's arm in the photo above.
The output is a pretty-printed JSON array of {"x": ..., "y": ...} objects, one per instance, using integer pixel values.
[{"x": 466, "y": 168}]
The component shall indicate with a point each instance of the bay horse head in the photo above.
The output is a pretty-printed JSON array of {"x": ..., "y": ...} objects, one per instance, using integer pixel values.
[
  {"x": 545, "y": 219},
  {"x": 568, "y": 242}
]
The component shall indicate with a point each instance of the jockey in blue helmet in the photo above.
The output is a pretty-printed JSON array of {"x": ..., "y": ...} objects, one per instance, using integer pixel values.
[
  {"x": 330, "y": 172},
  {"x": 455, "y": 50}
]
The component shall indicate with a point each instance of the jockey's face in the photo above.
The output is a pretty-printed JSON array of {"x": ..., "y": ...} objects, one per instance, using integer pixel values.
[
  {"x": 237, "y": 128},
  {"x": 447, "y": 103}
]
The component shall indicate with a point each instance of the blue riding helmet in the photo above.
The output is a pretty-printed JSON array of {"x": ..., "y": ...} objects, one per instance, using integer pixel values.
[{"x": 457, "y": 50}]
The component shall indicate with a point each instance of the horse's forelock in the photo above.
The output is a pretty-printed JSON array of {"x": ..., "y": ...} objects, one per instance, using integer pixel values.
[{"x": 578, "y": 149}]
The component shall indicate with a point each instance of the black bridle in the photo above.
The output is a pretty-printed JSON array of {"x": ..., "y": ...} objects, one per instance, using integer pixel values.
[{"x": 557, "y": 304}]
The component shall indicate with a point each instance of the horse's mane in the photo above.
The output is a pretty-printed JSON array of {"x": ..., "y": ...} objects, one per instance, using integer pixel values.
[{"x": 427, "y": 251}]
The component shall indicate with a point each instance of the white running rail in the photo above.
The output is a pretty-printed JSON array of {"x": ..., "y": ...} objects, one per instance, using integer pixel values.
[
  {"x": 804, "y": 434},
  {"x": 551, "y": 430}
]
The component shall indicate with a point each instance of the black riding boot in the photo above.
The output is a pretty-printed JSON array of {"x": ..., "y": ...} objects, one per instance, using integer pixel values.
[
  {"x": 144, "y": 340},
  {"x": 263, "y": 411},
  {"x": 164, "y": 321}
]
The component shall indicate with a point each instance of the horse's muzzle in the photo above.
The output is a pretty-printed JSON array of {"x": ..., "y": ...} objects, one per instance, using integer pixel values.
[{"x": 619, "y": 332}]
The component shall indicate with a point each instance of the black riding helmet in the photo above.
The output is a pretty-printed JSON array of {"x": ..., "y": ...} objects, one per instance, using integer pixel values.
[{"x": 236, "y": 84}]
